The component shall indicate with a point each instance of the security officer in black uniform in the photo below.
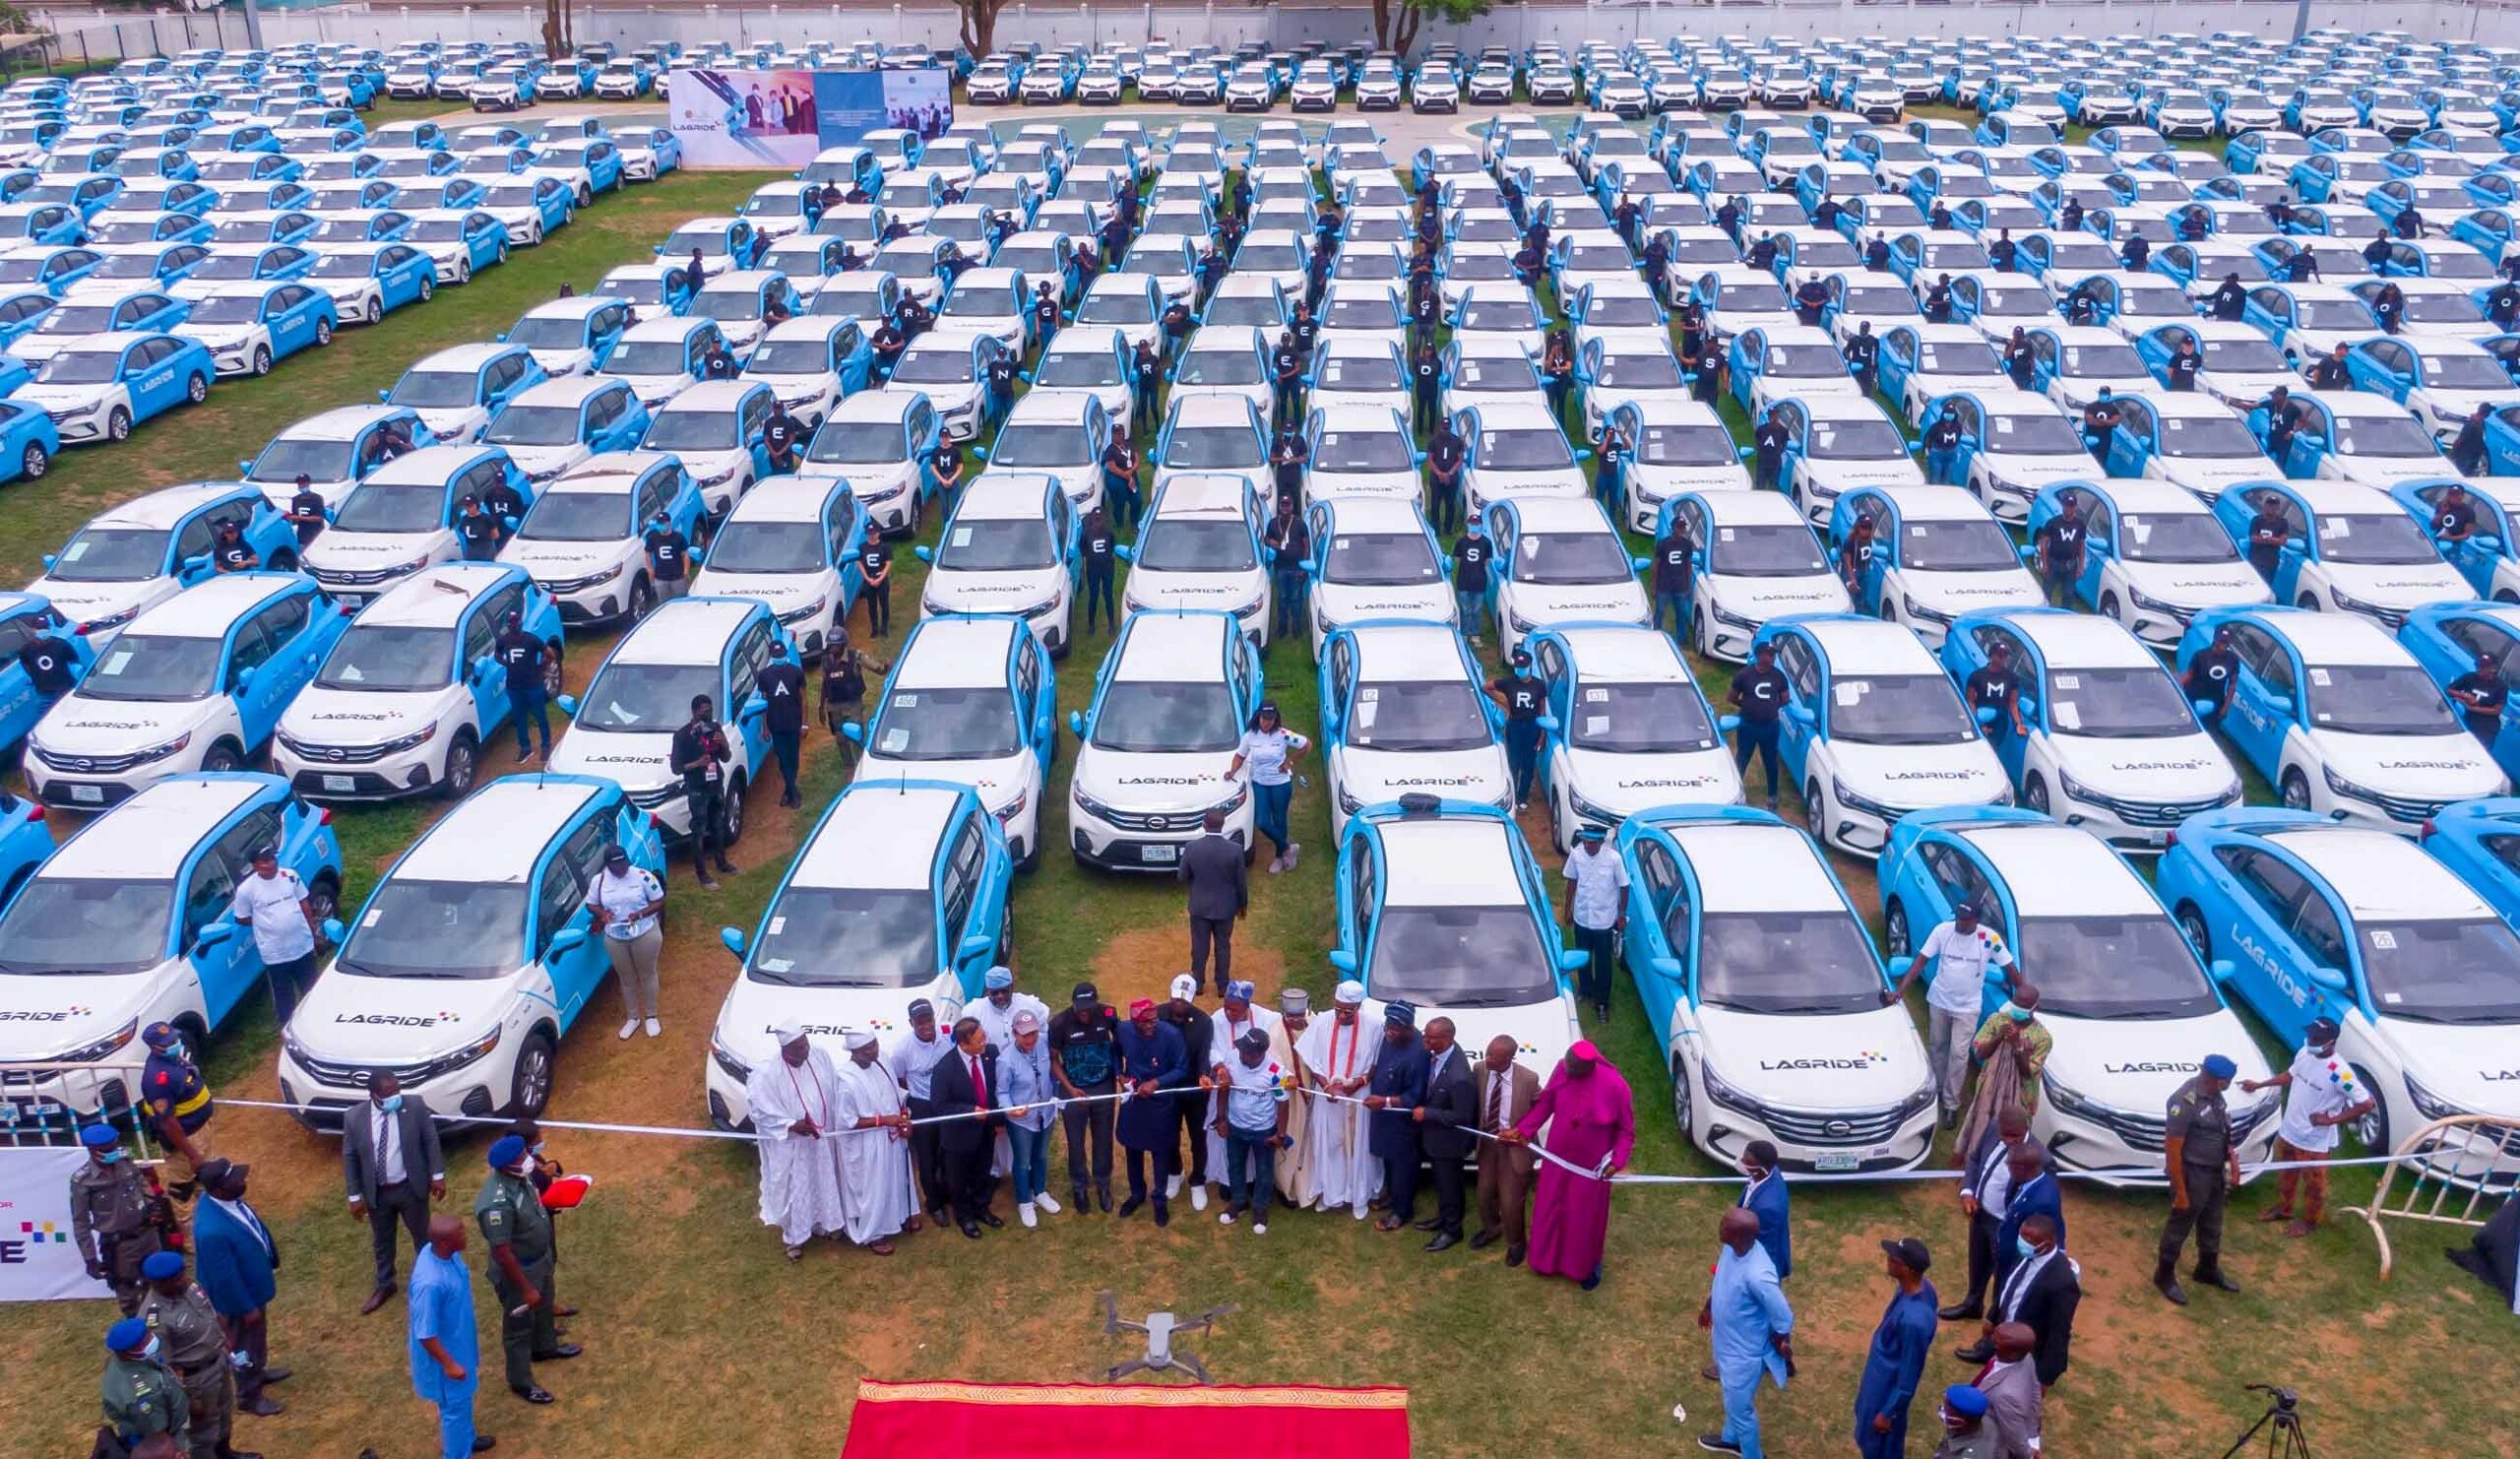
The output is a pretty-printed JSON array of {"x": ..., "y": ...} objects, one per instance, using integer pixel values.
[
  {"x": 2183, "y": 365},
  {"x": 117, "y": 1216},
  {"x": 780, "y": 435},
  {"x": 1100, "y": 547},
  {"x": 699, "y": 756},
  {"x": 2203, "y": 1167},
  {"x": 2210, "y": 677},
  {"x": 1864, "y": 357},
  {"x": 1425, "y": 385},
  {"x": 176, "y": 1100},
  {"x": 1446, "y": 454}
]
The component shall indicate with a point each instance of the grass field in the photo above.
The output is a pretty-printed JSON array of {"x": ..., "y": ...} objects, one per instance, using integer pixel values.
[{"x": 701, "y": 1340}]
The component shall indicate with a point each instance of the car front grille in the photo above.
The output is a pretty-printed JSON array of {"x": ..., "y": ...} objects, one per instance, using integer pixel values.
[
  {"x": 1838, "y": 1127},
  {"x": 92, "y": 764},
  {"x": 334, "y": 577}
]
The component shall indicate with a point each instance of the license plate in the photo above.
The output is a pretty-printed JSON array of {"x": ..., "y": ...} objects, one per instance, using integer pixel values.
[
  {"x": 1836, "y": 1161},
  {"x": 87, "y": 795},
  {"x": 1160, "y": 854},
  {"x": 342, "y": 784}
]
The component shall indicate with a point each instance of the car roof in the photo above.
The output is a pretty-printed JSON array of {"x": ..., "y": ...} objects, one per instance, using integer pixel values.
[
  {"x": 1626, "y": 655},
  {"x": 889, "y": 405},
  {"x": 685, "y": 630},
  {"x": 877, "y": 836},
  {"x": 1743, "y": 866},
  {"x": 565, "y": 390},
  {"x": 167, "y": 506},
  {"x": 711, "y": 395},
  {"x": 1005, "y": 496},
  {"x": 1931, "y": 503},
  {"x": 1560, "y": 514},
  {"x": 956, "y": 652},
  {"x": 340, "y": 424},
  {"x": 1058, "y": 407},
  {"x": 784, "y": 499},
  {"x": 1857, "y": 646},
  {"x": 578, "y": 307},
  {"x": 2334, "y": 638},
  {"x": 1407, "y": 652},
  {"x": 435, "y": 596},
  {"x": 150, "y": 834},
  {"x": 2379, "y": 874},
  {"x": 497, "y": 832},
  {"x": 2081, "y": 640},
  {"x": 2054, "y": 870},
  {"x": 210, "y": 608},
  {"x": 668, "y": 327},
  {"x": 1449, "y": 862},
  {"x": 429, "y": 466},
  {"x": 1172, "y": 648}
]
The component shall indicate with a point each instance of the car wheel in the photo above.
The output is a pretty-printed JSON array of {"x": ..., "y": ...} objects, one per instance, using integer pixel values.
[
  {"x": 35, "y": 462},
  {"x": 197, "y": 389},
  {"x": 2506, "y": 595},
  {"x": 375, "y": 309},
  {"x": 2308, "y": 602},
  {"x": 323, "y": 332},
  {"x": 323, "y": 899},
  {"x": 643, "y": 597},
  {"x": 462, "y": 764},
  {"x": 222, "y": 758},
  {"x": 1897, "y": 939},
  {"x": 2372, "y": 1129},
  {"x": 1888, "y": 611},
  {"x": 2296, "y": 791},
  {"x": 2034, "y": 793},
  {"x": 1031, "y": 856},
  {"x": 261, "y": 360},
  {"x": 529, "y": 1086},
  {"x": 283, "y": 561},
  {"x": 463, "y": 271},
  {"x": 1683, "y": 1116},
  {"x": 118, "y": 425},
  {"x": 734, "y": 816},
  {"x": 428, "y": 287},
  {"x": 1815, "y": 812},
  {"x": 503, "y": 250},
  {"x": 2108, "y": 606},
  {"x": 2191, "y": 925},
  {"x": 1698, "y": 636}
]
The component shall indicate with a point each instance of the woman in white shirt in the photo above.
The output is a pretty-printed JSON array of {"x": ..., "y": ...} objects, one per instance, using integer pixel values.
[
  {"x": 1269, "y": 749},
  {"x": 625, "y": 900}
]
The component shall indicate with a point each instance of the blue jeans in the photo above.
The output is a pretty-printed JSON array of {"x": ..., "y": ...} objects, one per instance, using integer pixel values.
[
  {"x": 1030, "y": 1153},
  {"x": 1678, "y": 605},
  {"x": 1472, "y": 607},
  {"x": 1756, "y": 738},
  {"x": 1258, "y": 1149},
  {"x": 1285, "y": 605},
  {"x": 1269, "y": 811},
  {"x": 532, "y": 705},
  {"x": 1522, "y": 753},
  {"x": 1742, "y": 1410},
  {"x": 1942, "y": 467}
]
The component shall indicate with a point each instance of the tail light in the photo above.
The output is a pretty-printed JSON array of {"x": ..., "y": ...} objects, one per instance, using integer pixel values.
[
  {"x": 323, "y": 815},
  {"x": 35, "y": 812}
]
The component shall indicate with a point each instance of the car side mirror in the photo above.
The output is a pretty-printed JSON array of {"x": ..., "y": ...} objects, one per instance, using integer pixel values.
[
  {"x": 566, "y": 941},
  {"x": 2223, "y": 969},
  {"x": 1573, "y": 960},
  {"x": 976, "y": 945},
  {"x": 923, "y": 554},
  {"x": 213, "y": 935},
  {"x": 2327, "y": 978},
  {"x": 333, "y": 932},
  {"x": 1800, "y": 714},
  {"x": 1343, "y": 960},
  {"x": 853, "y": 732},
  {"x": 2281, "y": 704},
  {"x": 2026, "y": 551},
  {"x": 568, "y": 704},
  {"x": 1901, "y": 965}
]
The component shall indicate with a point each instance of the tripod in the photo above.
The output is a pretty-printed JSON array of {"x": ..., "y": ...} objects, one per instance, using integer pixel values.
[{"x": 2282, "y": 1422}]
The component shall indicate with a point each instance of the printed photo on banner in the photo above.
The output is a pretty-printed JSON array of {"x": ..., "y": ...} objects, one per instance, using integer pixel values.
[{"x": 747, "y": 118}]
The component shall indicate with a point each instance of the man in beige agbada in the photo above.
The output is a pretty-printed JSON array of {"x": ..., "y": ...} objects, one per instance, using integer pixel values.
[{"x": 1295, "y": 1162}]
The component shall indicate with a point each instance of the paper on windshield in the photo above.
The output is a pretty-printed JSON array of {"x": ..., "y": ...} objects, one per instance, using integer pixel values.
[
  {"x": 2332, "y": 528},
  {"x": 2385, "y": 940},
  {"x": 962, "y": 536},
  {"x": 1596, "y": 696},
  {"x": 1724, "y": 533},
  {"x": 374, "y": 913},
  {"x": 905, "y": 701},
  {"x": 778, "y": 965},
  {"x": 1596, "y": 724},
  {"x": 117, "y": 660},
  {"x": 2069, "y": 681},
  {"x": 2138, "y": 529},
  {"x": 2318, "y": 678},
  {"x": 78, "y": 549},
  {"x": 1851, "y": 692},
  {"x": 895, "y": 741},
  {"x": 778, "y": 925},
  {"x": 2068, "y": 714}
]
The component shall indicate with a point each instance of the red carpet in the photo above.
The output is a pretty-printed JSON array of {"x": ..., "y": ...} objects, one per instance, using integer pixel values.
[{"x": 1014, "y": 1421}]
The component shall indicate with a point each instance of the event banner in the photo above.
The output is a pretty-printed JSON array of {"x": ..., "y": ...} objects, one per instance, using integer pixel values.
[
  {"x": 782, "y": 118},
  {"x": 38, "y": 1262}
]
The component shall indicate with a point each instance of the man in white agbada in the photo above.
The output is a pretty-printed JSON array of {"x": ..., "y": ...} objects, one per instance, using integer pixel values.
[
  {"x": 793, "y": 1101},
  {"x": 1295, "y": 1187},
  {"x": 874, "y": 1167},
  {"x": 1235, "y": 1018},
  {"x": 996, "y": 1013},
  {"x": 1338, "y": 1054}
]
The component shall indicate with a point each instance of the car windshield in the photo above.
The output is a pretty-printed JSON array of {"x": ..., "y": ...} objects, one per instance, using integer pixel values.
[
  {"x": 1856, "y": 438},
  {"x": 1494, "y": 372},
  {"x": 1419, "y": 715},
  {"x": 2112, "y": 361},
  {"x": 79, "y": 924},
  {"x": 2350, "y": 315},
  {"x": 2206, "y": 438},
  {"x": 1771, "y": 550},
  {"x": 1804, "y": 363},
  {"x": 2034, "y": 435},
  {"x": 1110, "y": 306},
  {"x": 2443, "y": 308},
  {"x": 535, "y": 425},
  {"x": 769, "y": 547},
  {"x": 385, "y": 657},
  {"x": 2244, "y": 356},
  {"x": 1958, "y": 357},
  {"x": 774, "y": 357},
  {"x": 1380, "y": 559},
  {"x": 1960, "y": 546},
  {"x": 2132, "y": 703},
  {"x": 2375, "y": 539},
  {"x": 1236, "y": 447},
  {"x": 1569, "y": 558},
  {"x": 846, "y": 938},
  {"x": 1534, "y": 450},
  {"x": 129, "y": 266},
  {"x": 345, "y": 265},
  {"x": 858, "y": 443},
  {"x": 1363, "y": 451},
  {"x": 2134, "y": 965},
  {"x": 1154, "y": 257},
  {"x": 1079, "y": 369},
  {"x": 1641, "y": 369},
  {"x": 840, "y": 297},
  {"x": 112, "y": 554},
  {"x": 227, "y": 266},
  {"x": 727, "y": 305},
  {"x": 1268, "y": 258},
  {"x": 77, "y": 319},
  {"x": 157, "y": 666},
  {"x": 423, "y": 388},
  {"x": 948, "y": 365},
  {"x": 711, "y": 429},
  {"x": 549, "y": 333},
  {"x": 1607, "y": 258},
  {"x": 976, "y": 724},
  {"x": 2432, "y": 972},
  {"x": 1362, "y": 313},
  {"x": 2391, "y": 435},
  {"x": 1641, "y": 719},
  {"x": 1160, "y": 717},
  {"x": 996, "y": 544},
  {"x": 644, "y": 698},
  {"x": 438, "y": 231},
  {"x": 577, "y": 517},
  {"x": 1474, "y": 266},
  {"x": 413, "y": 928},
  {"x": 1786, "y": 962},
  {"x": 1498, "y": 314},
  {"x": 2453, "y": 372},
  {"x": 1897, "y": 709},
  {"x": 378, "y": 507},
  {"x": 2376, "y": 699},
  {"x": 652, "y": 357},
  {"x": 2173, "y": 537},
  {"x": 1178, "y": 544},
  {"x": 1460, "y": 957}
]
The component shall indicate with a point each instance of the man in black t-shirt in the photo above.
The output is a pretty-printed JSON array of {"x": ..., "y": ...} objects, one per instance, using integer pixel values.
[
  {"x": 1758, "y": 694},
  {"x": 779, "y": 436},
  {"x": 781, "y": 685},
  {"x": 1290, "y": 542},
  {"x": 2283, "y": 418},
  {"x": 2479, "y": 695},
  {"x": 2211, "y": 673},
  {"x": 2062, "y": 542},
  {"x": 888, "y": 342},
  {"x": 505, "y": 507},
  {"x": 230, "y": 552},
  {"x": 2101, "y": 419},
  {"x": 1767, "y": 449},
  {"x": 51, "y": 665},
  {"x": 669, "y": 558},
  {"x": 2021, "y": 361},
  {"x": 1523, "y": 698},
  {"x": 1146, "y": 380},
  {"x": 2466, "y": 447},
  {"x": 1178, "y": 323},
  {"x": 2268, "y": 532},
  {"x": 306, "y": 511},
  {"x": 2180, "y": 370},
  {"x": 1994, "y": 687},
  {"x": 1000, "y": 372},
  {"x": 2228, "y": 300},
  {"x": 1121, "y": 479},
  {"x": 476, "y": 532},
  {"x": 699, "y": 756},
  {"x": 1046, "y": 315},
  {"x": 1084, "y": 1041},
  {"x": 1100, "y": 547},
  {"x": 2329, "y": 371},
  {"x": 1674, "y": 574},
  {"x": 1286, "y": 371},
  {"x": 1446, "y": 454},
  {"x": 525, "y": 660},
  {"x": 2454, "y": 518},
  {"x": 1426, "y": 385},
  {"x": 1288, "y": 459},
  {"x": 1864, "y": 357},
  {"x": 875, "y": 571},
  {"x": 1471, "y": 552}
]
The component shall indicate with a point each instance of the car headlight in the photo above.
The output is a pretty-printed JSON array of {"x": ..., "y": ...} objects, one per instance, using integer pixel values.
[
  {"x": 449, "y": 1062},
  {"x": 2069, "y": 1102},
  {"x": 2351, "y": 604},
  {"x": 2346, "y": 788},
  {"x": 1917, "y": 609},
  {"x": 1088, "y": 804},
  {"x": 1006, "y": 814},
  {"x": 2430, "y": 1105},
  {"x": 1725, "y": 1094},
  {"x": 1519, "y": 623},
  {"x": 412, "y": 741},
  {"x": 734, "y": 1067},
  {"x": 2076, "y": 790},
  {"x": 161, "y": 752},
  {"x": 2153, "y": 604},
  {"x": 89, "y": 1053},
  {"x": 1733, "y": 619},
  {"x": 110, "y": 620},
  {"x": 1865, "y": 803},
  {"x": 1349, "y": 804},
  {"x": 1234, "y": 802},
  {"x": 1592, "y": 812},
  {"x": 1918, "y": 1099}
]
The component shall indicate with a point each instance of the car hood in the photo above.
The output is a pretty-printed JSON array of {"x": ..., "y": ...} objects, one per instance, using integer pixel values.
[
  {"x": 752, "y": 1009},
  {"x": 547, "y": 461},
  {"x": 79, "y": 725},
  {"x": 2471, "y": 1065},
  {"x": 1622, "y": 601},
  {"x": 61, "y": 396},
  {"x": 2136, "y": 1065},
  {"x": 565, "y": 362},
  {"x": 1348, "y": 603},
  {"x": 1818, "y": 1061},
  {"x": 2179, "y": 767},
  {"x": 1325, "y": 486},
  {"x": 352, "y": 1019},
  {"x": 1960, "y": 592},
  {"x": 2208, "y": 478},
  {"x": 1842, "y": 477},
  {"x": 2033, "y": 472},
  {"x": 873, "y": 481},
  {"x": 783, "y": 591},
  {"x": 637, "y": 761},
  {"x": 1371, "y": 775},
  {"x": 217, "y": 335},
  {"x": 1914, "y": 775},
  {"x": 1542, "y": 1032},
  {"x": 2433, "y": 767},
  {"x": 44, "y": 1016},
  {"x": 2385, "y": 471},
  {"x": 1225, "y": 591},
  {"x": 2198, "y": 584},
  {"x": 1627, "y": 784},
  {"x": 323, "y": 715},
  {"x": 992, "y": 592},
  {"x": 996, "y": 782},
  {"x": 2400, "y": 585},
  {"x": 1188, "y": 784},
  {"x": 85, "y": 602},
  {"x": 1763, "y": 599},
  {"x": 558, "y": 559},
  {"x": 336, "y": 548}
]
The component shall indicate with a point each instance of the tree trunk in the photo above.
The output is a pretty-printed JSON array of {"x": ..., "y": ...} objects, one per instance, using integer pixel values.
[
  {"x": 1382, "y": 25},
  {"x": 1409, "y": 19},
  {"x": 552, "y": 28},
  {"x": 979, "y": 26}
]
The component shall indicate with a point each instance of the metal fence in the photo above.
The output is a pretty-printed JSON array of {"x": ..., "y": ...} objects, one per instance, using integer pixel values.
[
  {"x": 2455, "y": 1172},
  {"x": 47, "y": 1103},
  {"x": 88, "y": 38}
]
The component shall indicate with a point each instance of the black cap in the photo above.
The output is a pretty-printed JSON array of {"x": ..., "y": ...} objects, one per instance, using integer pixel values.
[
  {"x": 1522, "y": 656},
  {"x": 1964, "y": 910},
  {"x": 1083, "y": 993},
  {"x": 617, "y": 856},
  {"x": 1911, "y": 1254}
]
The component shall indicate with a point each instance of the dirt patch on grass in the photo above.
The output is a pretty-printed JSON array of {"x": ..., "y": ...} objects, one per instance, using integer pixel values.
[{"x": 1142, "y": 963}]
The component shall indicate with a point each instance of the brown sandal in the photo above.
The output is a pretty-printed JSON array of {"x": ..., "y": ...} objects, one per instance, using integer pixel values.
[{"x": 880, "y": 1248}]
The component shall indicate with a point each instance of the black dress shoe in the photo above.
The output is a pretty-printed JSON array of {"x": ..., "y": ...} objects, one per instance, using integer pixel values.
[
  {"x": 559, "y": 1354},
  {"x": 1482, "y": 1240},
  {"x": 1429, "y": 1224},
  {"x": 1102, "y": 1197},
  {"x": 990, "y": 1220},
  {"x": 482, "y": 1443},
  {"x": 1977, "y": 1352},
  {"x": 1128, "y": 1207},
  {"x": 535, "y": 1394},
  {"x": 1513, "y": 1256},
  {"x": 377, "y": 1298},
  {"x": 558, "y": 1312},
  {"x": 263, "y": 1407},
  {"x": 276, "y": 1375},
  {"x": 1163, "y": 1213},
  {"x": 1962, "y": 1311},
  {"x": 725, "y": 866},
  {"x": 1444, "y": 1241},
  {"x": 972, "y": 1229},
  {"x": 2216, "y": 1280}
]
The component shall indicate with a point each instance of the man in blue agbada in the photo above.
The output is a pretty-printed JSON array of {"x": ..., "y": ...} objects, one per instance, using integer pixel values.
[
  {"x": 445, "y": 1339},
  {"x": 1752, "y": 1328},
  {"x": 1900, "y": 1347}
]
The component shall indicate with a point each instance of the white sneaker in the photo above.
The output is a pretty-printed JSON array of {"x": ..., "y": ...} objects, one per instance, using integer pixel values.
[
  {"x": 1224, "y": 1217},
  {"x": 1259, "y": 1228},
  {"x": 1046, "y": 1203},
  {"x": 1277, "y": 865},
  {"x": 654, "y": 1028},
  {"x": 1293, "y": 850},
  {"x": 1359, "y": 1211},
  {"x": 1198, "y": 1197},
  {"x": 1024, "y": 1213},
  {"x": 629, "y": 1028},
  {"x": 1172, "y": 1190}
]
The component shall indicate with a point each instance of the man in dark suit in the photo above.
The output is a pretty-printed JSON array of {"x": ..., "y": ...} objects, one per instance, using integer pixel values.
[
  {"x": 2033, "y": 1197},
  {"x": 1506, "y": 1091},
  {"x": 1764, "y": 1195},
  {"x": 391, "y": 1170},
  {"x": 2041, "y": 1292},
  {"x": 965, "y": 1082},
  {"x": 1446, "y": 1129},
  {"x": 234, "y": 1259},
  {"x": 1398, "y": 1087},
  {"x": 1220, "y": 892},
  {"x": 1986, "y": 1191}
]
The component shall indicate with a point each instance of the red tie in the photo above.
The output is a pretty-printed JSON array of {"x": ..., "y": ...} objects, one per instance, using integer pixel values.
[{"x": 979, "y": 1086}]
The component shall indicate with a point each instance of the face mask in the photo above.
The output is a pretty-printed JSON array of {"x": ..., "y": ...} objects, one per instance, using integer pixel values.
[
  {"x": 109, "y": 1156},
  {"x": 151, "y": 1351},
  {"x": 390, "y": 1104},
  {"x": 2016, "y": 1013},
  {"x": 2022, "y": 1245},
  {"x": 175, "y": 1050}
]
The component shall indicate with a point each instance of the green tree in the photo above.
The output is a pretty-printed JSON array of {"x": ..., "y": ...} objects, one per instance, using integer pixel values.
[
  {"x": 1396, "y": 21},
  {"x": 979, "y": 25}
]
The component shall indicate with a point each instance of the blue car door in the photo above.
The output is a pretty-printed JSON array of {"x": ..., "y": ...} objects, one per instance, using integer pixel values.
[
  {"x": 573, "y": 957},
  {"x": 226, "y": 962},
  {"x": 746, "y": 657},
  {"x": 2262, "y": 699},
  {"x": 267, "y": 663},
  {"x": 1804, "y": 714}
]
